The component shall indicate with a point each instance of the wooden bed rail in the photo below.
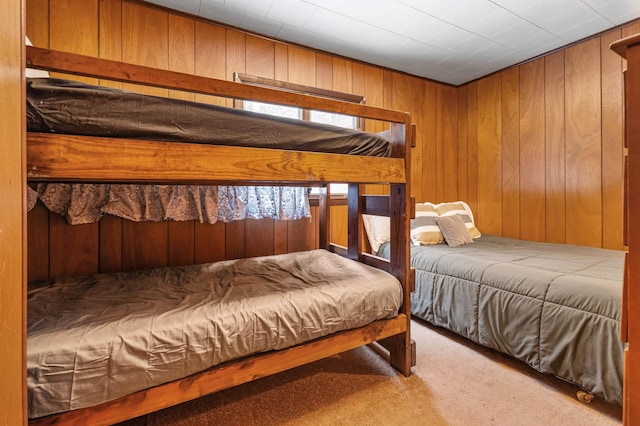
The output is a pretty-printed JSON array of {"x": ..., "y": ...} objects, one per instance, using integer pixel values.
[
  {"x": 225, "y": 376},
  {"x": 71, "y": 63},
  {"x": 55, "y": 158}
]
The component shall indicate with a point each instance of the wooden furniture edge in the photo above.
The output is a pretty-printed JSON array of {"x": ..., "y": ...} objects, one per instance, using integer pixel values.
[
  {"x": 56, "y": 157},
  {"x": 620, "y": 46}
]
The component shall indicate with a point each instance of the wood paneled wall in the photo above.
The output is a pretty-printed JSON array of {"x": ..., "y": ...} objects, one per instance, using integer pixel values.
[
  {"x": 536, "y": 150},
  {"x": 135, "y": 32},
  {"x": 540, "y": 146}
]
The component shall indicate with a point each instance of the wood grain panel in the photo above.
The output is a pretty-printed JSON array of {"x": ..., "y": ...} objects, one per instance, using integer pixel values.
[
  {"x": 612, "y": 143},
  {"x": 463, "y": 150},
  {"x": 302, "y": 234},
  {"x": 235, "y": 242},
  {"x": 144, "y": 245},
  {"x": 489, "y": 156},
  {"x": 180, "y": 243},
  {"x": 510, "y": 139},
  {"x": 630, "y": 29},
  {"x": 110, "y": 244},
  {"x": 446, "y": 119},
  {"x": 472, "y": 149},
  {"x": 430, "y": 175},
  {"x": 181, "y": 50},
  {"x": 301, "y": 66},
  {"x": 73, "y": 249},
  {"x": 210, "y": 53},
  {"x": 110, "y": 37},
  {"x": 373, "y": 93},
  {"x": 145, "y": 41},
  {"x": 532, "y": 151},
  {"x": 417, "y": 171},
  {"x": 555, "y": 202},
  {"x": 259, "y": 237},
  {"x": 342, "y": 75},
  {"x": 37, "y": 22},
  {"x": 583, "y": 144},
  {"x": 281, "y": 72},
  {"x": 209, "y": 242},
  {"x": 72, "y": 27},
  {"x": 260, "y": 56},
  {"x": 324, "y": 71},
  {"x": 38, "y": 243}
]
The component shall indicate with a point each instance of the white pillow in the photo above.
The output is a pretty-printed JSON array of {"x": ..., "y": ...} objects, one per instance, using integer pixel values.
[
  {"x": 33, "y": 73},
  {"x": 378, "y": 230}
]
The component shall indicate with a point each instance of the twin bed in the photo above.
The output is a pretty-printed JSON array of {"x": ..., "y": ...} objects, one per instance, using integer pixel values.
[
  {"x": 109, "y": 347},
  {"x": 555, "y": 307}
]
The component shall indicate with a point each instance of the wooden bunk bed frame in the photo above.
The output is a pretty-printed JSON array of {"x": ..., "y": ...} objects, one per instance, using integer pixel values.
[{"x": 65, "y": 158}]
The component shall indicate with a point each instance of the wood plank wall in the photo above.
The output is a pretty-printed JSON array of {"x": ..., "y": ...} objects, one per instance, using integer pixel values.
[
  {"x": 536, "y": 149},
  {"x": 148, "y": 35},
  {"x": 540, "y": 146}
]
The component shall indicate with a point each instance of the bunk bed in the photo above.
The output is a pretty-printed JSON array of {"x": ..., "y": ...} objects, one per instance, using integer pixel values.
[
  {"x": 262, "y": 327},
  {"x": 555, "y": 307}
]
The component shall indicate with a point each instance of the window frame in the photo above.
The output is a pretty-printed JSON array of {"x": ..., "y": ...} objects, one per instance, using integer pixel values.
[{"x": 305, "y": 112}]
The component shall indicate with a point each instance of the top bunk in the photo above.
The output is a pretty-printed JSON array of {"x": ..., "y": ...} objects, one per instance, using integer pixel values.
[{"x": 205, "y": 149}]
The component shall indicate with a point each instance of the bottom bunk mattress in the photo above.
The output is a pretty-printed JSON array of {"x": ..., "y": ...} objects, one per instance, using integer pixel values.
[
  {"x": 554, "y": 306},
  {"x": 96, "y": 338}
]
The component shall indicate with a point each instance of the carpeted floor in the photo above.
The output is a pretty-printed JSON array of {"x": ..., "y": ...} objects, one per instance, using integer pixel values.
[{"x": 455, "y": 382}]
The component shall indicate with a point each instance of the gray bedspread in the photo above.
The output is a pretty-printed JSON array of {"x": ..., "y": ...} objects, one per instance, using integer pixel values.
[
  {"x": 96, "y": 338},
  {"x": 555, "y": 307}
]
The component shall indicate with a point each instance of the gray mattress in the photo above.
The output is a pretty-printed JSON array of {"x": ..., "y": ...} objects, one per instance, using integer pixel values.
[
  {"x": 70, "y": 107},
  {"x": 96, "y": 338},
  {"x": 555, "y": 307}
]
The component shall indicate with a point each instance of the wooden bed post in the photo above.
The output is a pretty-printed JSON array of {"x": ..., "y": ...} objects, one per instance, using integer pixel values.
[{"x": 324, "y": 217}]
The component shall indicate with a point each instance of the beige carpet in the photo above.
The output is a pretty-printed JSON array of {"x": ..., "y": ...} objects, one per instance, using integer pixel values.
[{"x": 454, "y": 383}]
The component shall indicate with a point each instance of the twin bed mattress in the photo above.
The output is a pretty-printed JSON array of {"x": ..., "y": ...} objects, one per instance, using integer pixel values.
[
  {"x": 554, "y": 306},
  {"x": 95, "y": 338},
  {"x": 71, "y": 107}
]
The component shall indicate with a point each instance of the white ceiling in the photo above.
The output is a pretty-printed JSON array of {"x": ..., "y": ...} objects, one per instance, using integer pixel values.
[{"x": 451, "y": 41}]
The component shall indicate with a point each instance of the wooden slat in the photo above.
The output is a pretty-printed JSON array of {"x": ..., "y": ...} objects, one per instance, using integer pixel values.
[
  {"x": 377, "y": 205},
  {"x": 489, "y": 156},
  {"x": 532, "y": 151},
  {"x": 555, "y": 201},
  {"x": 583, "y": 147},
  {"x": 77, "y": 158},
  {"x": 612, "y": 144},
  {"x": 510, "y": 148},
  {"x": 225, "y": 376}
]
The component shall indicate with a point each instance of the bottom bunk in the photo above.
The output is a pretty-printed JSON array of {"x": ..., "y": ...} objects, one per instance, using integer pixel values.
[
  {"x": 554, "y": 306},
  {"x": 108, "y": 347}
]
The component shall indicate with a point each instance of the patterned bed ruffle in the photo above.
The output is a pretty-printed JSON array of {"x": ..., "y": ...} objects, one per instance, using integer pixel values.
[{"x": 87, "y": 203}]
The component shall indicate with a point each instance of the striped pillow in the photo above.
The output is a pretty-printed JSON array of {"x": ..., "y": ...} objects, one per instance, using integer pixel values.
[
  {"x": 459, "y": 208},
  {"x": 424, "y": 229}
]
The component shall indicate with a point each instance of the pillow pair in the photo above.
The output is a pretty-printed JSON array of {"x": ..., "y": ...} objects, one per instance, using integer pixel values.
[{"x": 427, "y": 227}]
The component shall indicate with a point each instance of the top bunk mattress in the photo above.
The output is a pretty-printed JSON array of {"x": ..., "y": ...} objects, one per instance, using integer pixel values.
[
  {"x": 96, "y": 338},
  {"x": 75, "y": 108}
]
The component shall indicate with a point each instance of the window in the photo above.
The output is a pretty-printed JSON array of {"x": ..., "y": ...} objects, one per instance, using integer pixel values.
[{"x": 350, "y": 122}]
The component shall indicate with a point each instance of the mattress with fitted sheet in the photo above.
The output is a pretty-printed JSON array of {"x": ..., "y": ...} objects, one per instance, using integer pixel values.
[
  {"x": 76, "y": 108},
  {"x": 96, "y": 338},
  {"x": 554, "y": 306}
]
